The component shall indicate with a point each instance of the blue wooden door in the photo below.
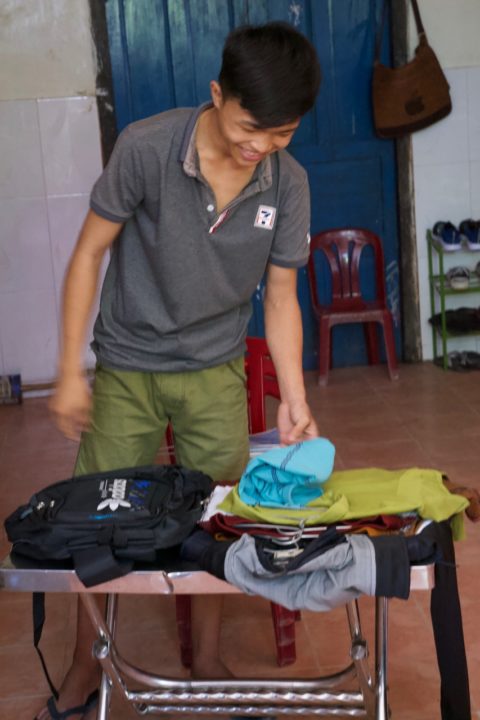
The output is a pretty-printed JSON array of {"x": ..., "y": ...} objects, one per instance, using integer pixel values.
[{"x": 164, "y": 54}]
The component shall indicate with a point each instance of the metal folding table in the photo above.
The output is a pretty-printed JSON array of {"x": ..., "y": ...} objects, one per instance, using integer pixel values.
[{"x": 321, "y": 696}]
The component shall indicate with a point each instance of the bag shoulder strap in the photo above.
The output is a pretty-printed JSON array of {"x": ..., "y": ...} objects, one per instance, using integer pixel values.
[
  {"x": 98, "y": 565},
  {"x": 418, "y": 22},
  {"x": 418, "y": 18},
  {"x": 38, "y": 607}
]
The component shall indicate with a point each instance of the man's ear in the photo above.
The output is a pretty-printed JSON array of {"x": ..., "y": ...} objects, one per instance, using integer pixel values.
[{"x": 216, "y": 93}]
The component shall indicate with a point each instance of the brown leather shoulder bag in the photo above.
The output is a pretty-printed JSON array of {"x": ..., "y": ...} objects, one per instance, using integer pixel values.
[{"x": 410, "y": 97}]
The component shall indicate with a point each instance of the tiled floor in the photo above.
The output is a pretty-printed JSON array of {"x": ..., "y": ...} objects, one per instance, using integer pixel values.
[{"x": 428, "y": 418}]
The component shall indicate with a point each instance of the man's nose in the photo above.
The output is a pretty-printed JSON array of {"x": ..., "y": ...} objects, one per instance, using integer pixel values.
[{"x": 262, "y": 145}]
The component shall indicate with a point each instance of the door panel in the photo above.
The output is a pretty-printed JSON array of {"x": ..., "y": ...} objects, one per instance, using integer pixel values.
[{"x": 164, "y": 54}]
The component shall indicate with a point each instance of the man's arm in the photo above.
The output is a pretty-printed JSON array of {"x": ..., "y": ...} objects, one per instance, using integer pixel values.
[
  {"x": 71, "y": 402},
  {"x": 284, "y": 334}
]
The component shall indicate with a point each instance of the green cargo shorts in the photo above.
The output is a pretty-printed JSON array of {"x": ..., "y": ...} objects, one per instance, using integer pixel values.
[{"x": 131, "y": 410}]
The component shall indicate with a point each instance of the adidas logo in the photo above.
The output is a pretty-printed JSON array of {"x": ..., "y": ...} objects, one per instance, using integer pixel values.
[{"x": 117, "y": 488}]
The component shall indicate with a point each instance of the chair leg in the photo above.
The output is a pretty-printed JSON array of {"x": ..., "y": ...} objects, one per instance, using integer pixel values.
[
  {"x": 371, "y": 337},
  {"x": 183, "y": 610},
  {"x": 170, "y": 440},
  {"x": 284, "y": 627},
  {"x": 324, "y": 350},
  {"x": 390, "y": 346}
]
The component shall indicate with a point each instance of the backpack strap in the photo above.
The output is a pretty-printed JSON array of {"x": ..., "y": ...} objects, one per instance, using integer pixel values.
[
  {"x": 98, "y": 565},
  {"x": 38, "y": 607}
]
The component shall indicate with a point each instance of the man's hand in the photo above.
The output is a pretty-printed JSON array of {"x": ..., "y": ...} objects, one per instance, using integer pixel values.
[
  {"x": 71, "y": 405},
  {"x": 295, "y": 423}
]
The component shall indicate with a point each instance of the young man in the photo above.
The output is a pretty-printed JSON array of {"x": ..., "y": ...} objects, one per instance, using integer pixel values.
[{"x": 195, "y": 206}]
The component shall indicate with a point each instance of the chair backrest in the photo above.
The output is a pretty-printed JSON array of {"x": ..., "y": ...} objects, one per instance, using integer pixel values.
[
  {"x": 261, "y": 381},
  {"x": 343, "y": 249}
]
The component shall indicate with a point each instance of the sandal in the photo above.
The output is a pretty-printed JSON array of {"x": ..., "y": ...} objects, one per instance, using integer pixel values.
[
  {"x": 55, "y": 714},
  {"x": 458, "y": 277}
]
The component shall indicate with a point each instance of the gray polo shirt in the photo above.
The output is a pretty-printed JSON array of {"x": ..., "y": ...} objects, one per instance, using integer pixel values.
[{"x": 177, "y": 293}]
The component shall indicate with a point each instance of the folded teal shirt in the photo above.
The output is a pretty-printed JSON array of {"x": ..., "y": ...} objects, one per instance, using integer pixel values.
[{"x": 289, "y": 476}]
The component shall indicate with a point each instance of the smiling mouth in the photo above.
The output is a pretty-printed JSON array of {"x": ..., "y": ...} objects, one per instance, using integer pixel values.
[{"x": 251, "y": 156}]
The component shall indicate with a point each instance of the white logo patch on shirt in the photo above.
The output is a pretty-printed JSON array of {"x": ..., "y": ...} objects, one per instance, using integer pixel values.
[{"x": 265, "y": 217}]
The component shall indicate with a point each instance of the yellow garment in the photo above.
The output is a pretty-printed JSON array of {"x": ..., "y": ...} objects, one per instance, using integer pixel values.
[{"x": 354, "y": 494}]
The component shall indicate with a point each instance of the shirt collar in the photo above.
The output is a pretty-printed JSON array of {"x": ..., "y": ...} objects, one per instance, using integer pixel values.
[
  {"x": 189, "y": 158},
  {"x": 188, "y": 152}
]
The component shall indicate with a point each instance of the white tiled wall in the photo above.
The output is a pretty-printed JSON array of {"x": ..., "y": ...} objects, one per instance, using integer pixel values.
[
  {"x": 51, "y": 156},
  {"x": 446, "y": 160}
]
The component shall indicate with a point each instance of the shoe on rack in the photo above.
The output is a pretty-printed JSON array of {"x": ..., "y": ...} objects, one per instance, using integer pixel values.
[
  {"x": 454, "y": 362},
  {"x": 447, "y": 235},
  {"x": 471, "y": 359},
  {"x": 470, "y": 233},
  {"x": 458, "y": 277},
  {"x": 460, "y": 361}
]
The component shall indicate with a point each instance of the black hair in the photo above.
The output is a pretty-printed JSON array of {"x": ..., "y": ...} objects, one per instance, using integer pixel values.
[{"x": 273, "y": 70}]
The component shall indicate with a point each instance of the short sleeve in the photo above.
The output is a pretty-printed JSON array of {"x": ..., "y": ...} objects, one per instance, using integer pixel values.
[
  {"x": 120, "y": 188},
  {"x": 292, "y": 235}
]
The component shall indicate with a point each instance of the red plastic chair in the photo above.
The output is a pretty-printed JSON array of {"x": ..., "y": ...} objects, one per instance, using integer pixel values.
[
  {"x": 170, "y": 444},
  {"x": 343, "y": 250},
  {"x": 261, "y": 382}
]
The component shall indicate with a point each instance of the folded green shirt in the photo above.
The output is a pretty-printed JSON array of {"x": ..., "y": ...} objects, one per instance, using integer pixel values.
[{"x": 354, "y": 494}]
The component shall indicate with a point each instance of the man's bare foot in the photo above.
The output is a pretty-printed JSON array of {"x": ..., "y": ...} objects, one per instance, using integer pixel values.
[{"x": 74, "y": 692}]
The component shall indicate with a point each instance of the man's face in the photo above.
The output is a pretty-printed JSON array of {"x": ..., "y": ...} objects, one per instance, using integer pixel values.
[{"x": 243, "y": 139}]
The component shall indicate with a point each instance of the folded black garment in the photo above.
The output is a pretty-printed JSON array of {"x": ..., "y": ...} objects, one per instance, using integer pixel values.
[
  {"x": 270, "y": 555},
  {"x": 202, "y": 548},
  {"x": 257, "y": 559}
]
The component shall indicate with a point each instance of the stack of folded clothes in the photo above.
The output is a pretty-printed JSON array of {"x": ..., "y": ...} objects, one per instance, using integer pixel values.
[
  {"x": 359, "y": 533},
  {"x": 304, "y": 536}
]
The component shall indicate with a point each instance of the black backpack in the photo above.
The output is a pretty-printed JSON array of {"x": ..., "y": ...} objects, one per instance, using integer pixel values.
[{"x": 105, "y": 521}]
